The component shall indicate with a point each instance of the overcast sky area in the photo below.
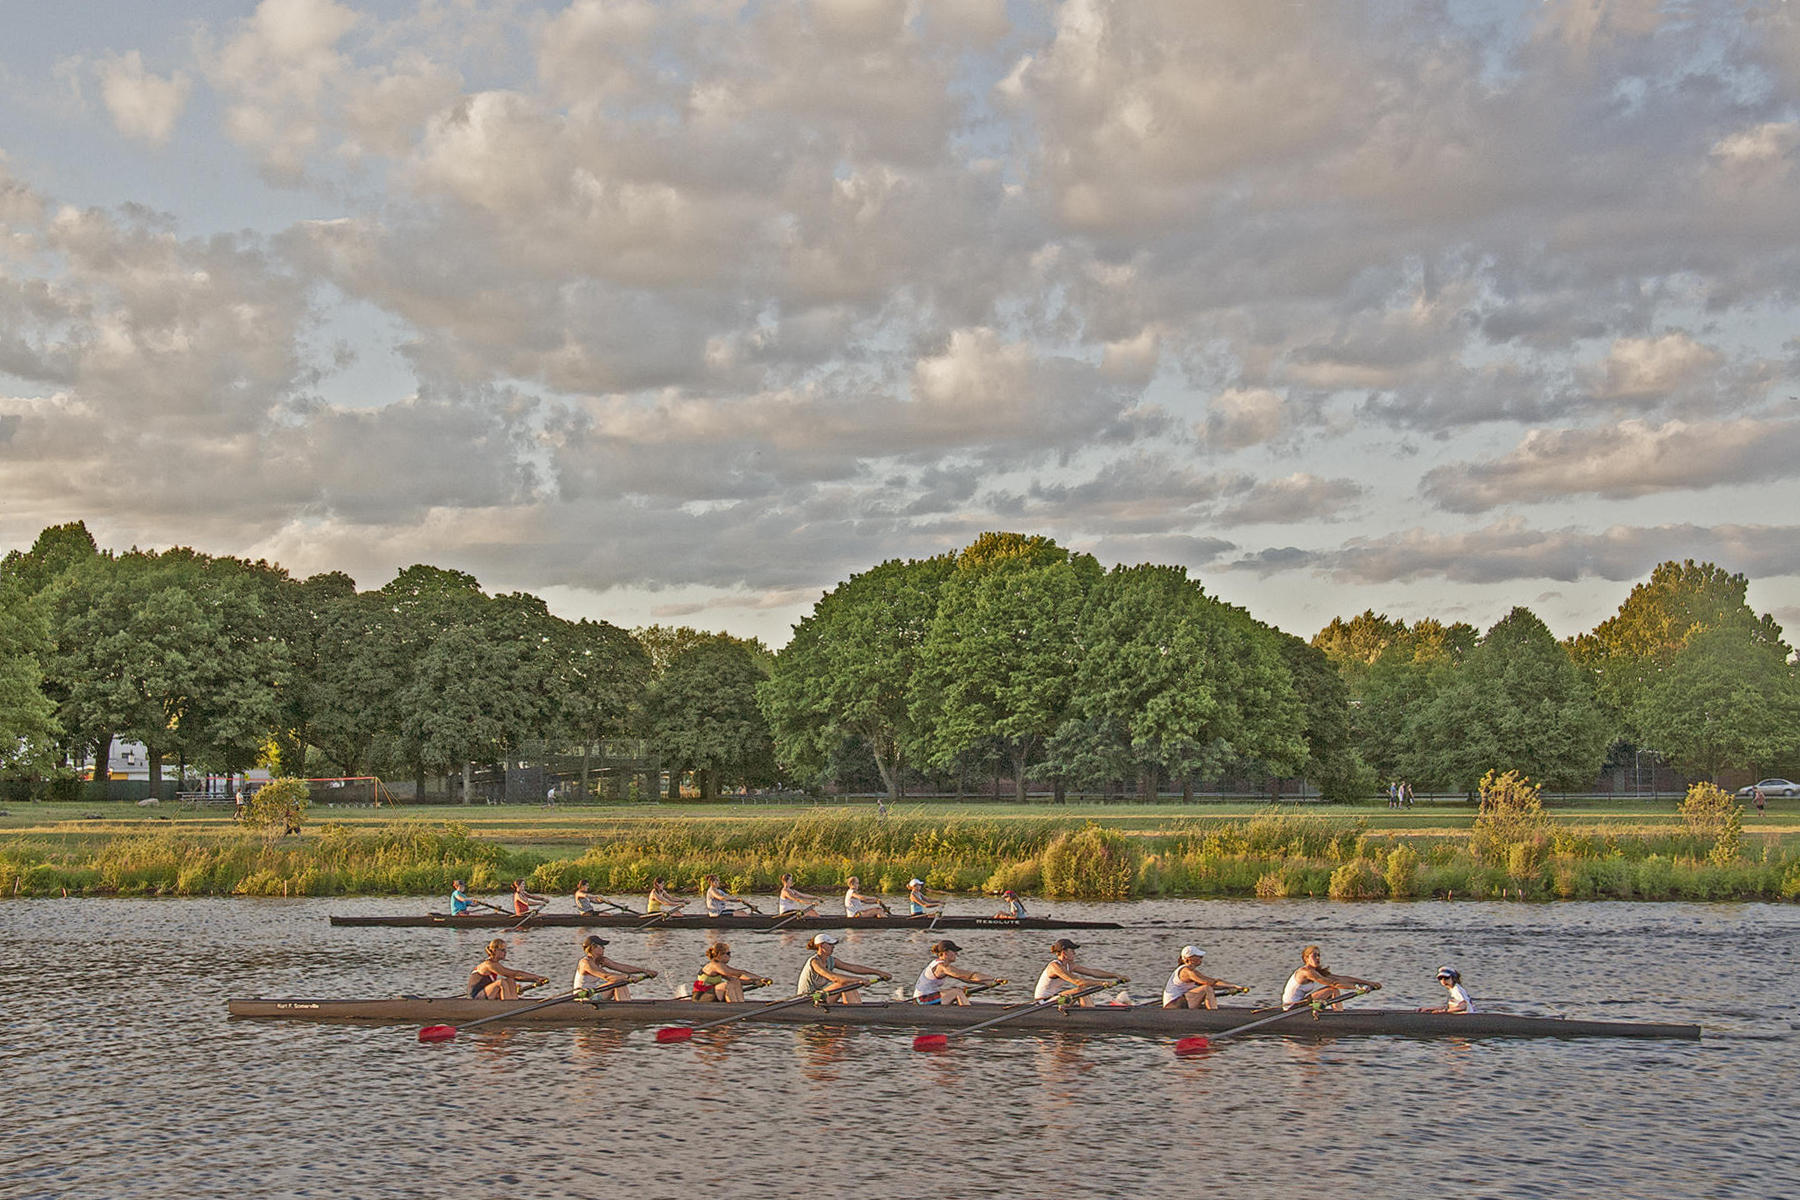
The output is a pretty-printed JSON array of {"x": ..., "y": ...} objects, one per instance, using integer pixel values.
[{"x": 684, "y": 311}]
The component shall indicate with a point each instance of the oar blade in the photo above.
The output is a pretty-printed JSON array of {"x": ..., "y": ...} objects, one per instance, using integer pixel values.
[
  {"x": 931, "y": 1041},
  {"x": 1192, "y": 1045},
  {"x": 672, "y": 1034},
  {"x": 438, "y": 1033}
]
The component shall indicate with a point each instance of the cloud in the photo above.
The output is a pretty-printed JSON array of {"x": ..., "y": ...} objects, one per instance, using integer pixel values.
[
  {"x": 1632, "y": 458},
  {"x": 1295, "y": 498},
  {"x": 1238, "y": 418},
  {"x": 142, "y": 105}
]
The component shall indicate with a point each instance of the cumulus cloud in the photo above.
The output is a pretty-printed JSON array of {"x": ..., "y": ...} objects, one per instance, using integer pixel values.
[
  {"x": 142, "y": 105},
  {"x": 1294, "y": 498},
  {"x": 1632, "y": 458}
]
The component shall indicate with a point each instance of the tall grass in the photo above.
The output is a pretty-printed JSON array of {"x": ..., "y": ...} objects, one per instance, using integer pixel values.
[{"x": 1274, "y": 854}]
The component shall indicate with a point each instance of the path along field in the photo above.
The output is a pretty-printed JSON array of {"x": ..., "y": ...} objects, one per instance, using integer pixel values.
[{"x": 1586, "y": 849}]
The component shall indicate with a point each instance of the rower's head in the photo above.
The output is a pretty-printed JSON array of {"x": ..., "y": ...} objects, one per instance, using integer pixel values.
[
  {"x": 718, "y": 952},
  {"x": 457, "y": 884},
  {"x": 496, "y": 948},
  {"x": 1062, "y": 946},
  {"x": 709, "y": 880},
  {"x": 945, "y": 950},
  {"x": 594, "y": 944},
  {"x": 581, "y": 885},
  {"x": 787, "y": 879},
  {"x": 1449, "y": 976},
  {"x": 912, "y": 883},
  {"x": 853, "y": 881},
  {"x": 1192, "y": 954},
  {"x": 824, "y": 943},
  {"x": 657, "y": 882},
  {"x": 1310, "y": 956}
]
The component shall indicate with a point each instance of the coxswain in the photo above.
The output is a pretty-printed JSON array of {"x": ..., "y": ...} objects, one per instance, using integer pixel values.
[
  {"x": 721, "y": 903},
  {"x": 1190, "y": 986},
  {"x": 662, "y": 899},
  {"x": 824, "y": 971},
  {"x": 1011, "y": 907},
  {"x": 920, "y": 901},
  {"x": 720, "y": 982},
  {"x": 941, "y": 983},
  {"x": 793, "y": 900},
  {"x": 1064, "y": 975},
  {"x": 858, "y": 904},
  {"x": 525, "y": 902},
  {"x": 596, "y": 971},
  {"x": 1456, "y": 997},
  {"x": 1311, "y": 981},
  {"x": 492, "y": 979}
]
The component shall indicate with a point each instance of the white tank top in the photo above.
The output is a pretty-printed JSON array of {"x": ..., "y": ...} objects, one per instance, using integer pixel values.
[
  {"x": 854, "y": 907},
  {"x": 790, "y": 906},
  {"x": 1298, "y": 989},
  {"x": 810, "y": 982},
  {"x": 1048, "y": 986},
  {"x": 1177, "y": 987},
  {"x": 929, "y": 984}
]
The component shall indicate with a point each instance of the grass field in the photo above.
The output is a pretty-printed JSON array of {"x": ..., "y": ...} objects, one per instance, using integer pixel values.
[{"x": 1589, "y": 849}]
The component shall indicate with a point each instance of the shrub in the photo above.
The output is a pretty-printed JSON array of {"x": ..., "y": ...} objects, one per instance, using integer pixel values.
[
  {"x": 1356, "y": 880},
  {"x": 1092, "y": 864},
  {"x": 1512, "y": 814},
  {"x": 1402, "y": 871},
  {"x": 1713, "y": 815},
  {"x": 279, "y": 802}
]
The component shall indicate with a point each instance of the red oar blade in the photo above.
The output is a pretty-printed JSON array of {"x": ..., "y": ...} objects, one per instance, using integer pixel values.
[
  {"x": 1192, "y": 1045},
  {"x": 931, "y": 1041},
  {"x": 673, "y": 1033},
  {"x": 437, "y": 1033}
]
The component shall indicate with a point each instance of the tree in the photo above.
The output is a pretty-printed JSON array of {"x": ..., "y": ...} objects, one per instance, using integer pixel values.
[
  {"x": 704, "y": 716},
  {"x": 1727, "y": 698},
  {"x": 848, "y": 671},
  {"x": 1399, "y": 687},
  {"x": 999, "y": 659},
  {"x": 300, "y": 615},
  {"x": 26, "y": 580},
  {"x": 602, "y": 674},
  {"x": 1515, "y": 703},
  {"x": 28, "y": 728},
  {"x": 1355, "y": 645},
  {"x": 1332, "y": 763}
]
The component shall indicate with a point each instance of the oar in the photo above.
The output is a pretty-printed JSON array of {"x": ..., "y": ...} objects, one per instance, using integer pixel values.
[
  {"x": 937, "y": 1041},
  {"x": 783, "y": 922},
  {"x": 1199, "y": 1043},
  {"x": 681, "y": 1033},
  {"x": 967, "y": 992},
  {"x": 525, "y": 920},
  {"x": 656, "y": 918},
  {"x": 446, "y": 1033}
]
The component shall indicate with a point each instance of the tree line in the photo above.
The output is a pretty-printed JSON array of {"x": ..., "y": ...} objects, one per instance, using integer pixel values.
[{"x": 1013, "y": 657}]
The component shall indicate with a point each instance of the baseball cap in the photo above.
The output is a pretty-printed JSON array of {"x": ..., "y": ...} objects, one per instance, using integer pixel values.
[
  {"x": 1192, "y": 952},
  {"x": 1064, "y": 944},
  {"x": 824, "y": 939},
  {"x": 1448, "y": 973},
  {"x": 915, "y": 883}
]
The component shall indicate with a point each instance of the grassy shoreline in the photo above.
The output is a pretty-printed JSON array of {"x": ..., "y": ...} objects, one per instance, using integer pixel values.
[{"x": 1106, "y": 852}]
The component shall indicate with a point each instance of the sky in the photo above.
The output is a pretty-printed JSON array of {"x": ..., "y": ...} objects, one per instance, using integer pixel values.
[{"x": 685, "y": 311}]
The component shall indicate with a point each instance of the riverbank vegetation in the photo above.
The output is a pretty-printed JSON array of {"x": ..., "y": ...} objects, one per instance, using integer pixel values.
[{"x": 1698, "y": 853}]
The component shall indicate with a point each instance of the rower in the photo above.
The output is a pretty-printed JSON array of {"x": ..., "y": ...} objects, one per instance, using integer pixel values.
[
  {"x": 492, "y": 979},
  {"x": 824, "y": 971},
  {"x": 1063, "y": 969},
  {"x": 1189, "y": 986},
  {"x": 920, "y": 900},
  {"x": 460, "y": 904},
  {"x": 662, "y": 899},
  {"x": 720, "y": 982},
  {"x": 857, "y": 904},
  {"x": 526, "y": 902},
  {"x": 1456, "y": 997},
  {"x": 596, "y": 971},
  {"x": 938, "y": 982},
  {"x": 584, "y": 899},
  {"x": 721, "y": 903},
  {"x": 1012, "y": 908},
  {"x": 793, "y": 900},
  {"x": 1312, "y": 981}
]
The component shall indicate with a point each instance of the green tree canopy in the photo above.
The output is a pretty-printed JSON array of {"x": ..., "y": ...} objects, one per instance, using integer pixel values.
[
  {"x": 704, "y": 716},
  {"x": 1727, "y": 698}
]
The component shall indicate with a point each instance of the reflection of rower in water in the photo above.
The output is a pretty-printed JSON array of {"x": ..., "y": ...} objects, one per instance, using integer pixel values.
[
  {"x": 662, "y": 899},
  {"x": 859, "y": 904},
  {"x": 1189, "y": 986},
  {"x": 596, "y": 971},
  {"x": 1311, "y": 981},
  {"x": 793, "y": 900},
  {"x": 1456, "y": 997},
  {"x": 940, "y": 982},
  {"x": 1012, "y": 908},
  {"x": 721, "y": 903},
  {"x": 824, "y": 971},
  {"x": 1064, "y": 975},
  {"x": 919, "y": 900},
  {"x": 492, "y": 979},
  {"x": 720, "y": 982}
]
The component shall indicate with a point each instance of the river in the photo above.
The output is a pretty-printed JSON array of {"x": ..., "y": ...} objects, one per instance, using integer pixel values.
[{"x": 124, "y": 1077}]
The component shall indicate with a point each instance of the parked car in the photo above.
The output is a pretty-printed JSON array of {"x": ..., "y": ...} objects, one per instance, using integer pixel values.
[{"x": 1770, "y": 787}]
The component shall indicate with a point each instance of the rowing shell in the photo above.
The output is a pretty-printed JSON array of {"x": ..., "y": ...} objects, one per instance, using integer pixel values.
[
  {"x": 701, "y": 921},
  {"x": 1132, "y": 1019}
]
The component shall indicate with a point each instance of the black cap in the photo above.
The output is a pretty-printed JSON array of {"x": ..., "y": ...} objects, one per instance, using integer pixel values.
[
  {"x": 1064, "y": 944},
  {"x": 945, "y": 945}
]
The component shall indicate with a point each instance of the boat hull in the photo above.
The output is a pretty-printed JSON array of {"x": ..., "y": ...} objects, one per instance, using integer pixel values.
[
  {"x": 1135, "y": 1019},
  {"x": 754, "y": 921}
]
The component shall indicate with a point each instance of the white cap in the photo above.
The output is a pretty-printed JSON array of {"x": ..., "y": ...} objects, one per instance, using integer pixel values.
[
  {"x": 1449, "y": 973},
  {"x": 825, "y": 938},
  {"x": 1192, "y": 952},
  {"x": 915, "y": 883}
]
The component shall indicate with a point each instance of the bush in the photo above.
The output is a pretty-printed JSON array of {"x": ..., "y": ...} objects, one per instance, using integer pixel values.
[
  {"x": 1402, "y": 872},
  {"x": 1512, "y": 814},
  {"x": 1093, "y": 864},
  {"x": 1356, "y": 880},
  {"x": 280, "y": 802},
  {"x": 1713, "y": 815}
]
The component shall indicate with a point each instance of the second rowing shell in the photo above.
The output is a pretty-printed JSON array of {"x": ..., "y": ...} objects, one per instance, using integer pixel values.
[{"x": 699, "y": 921}]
